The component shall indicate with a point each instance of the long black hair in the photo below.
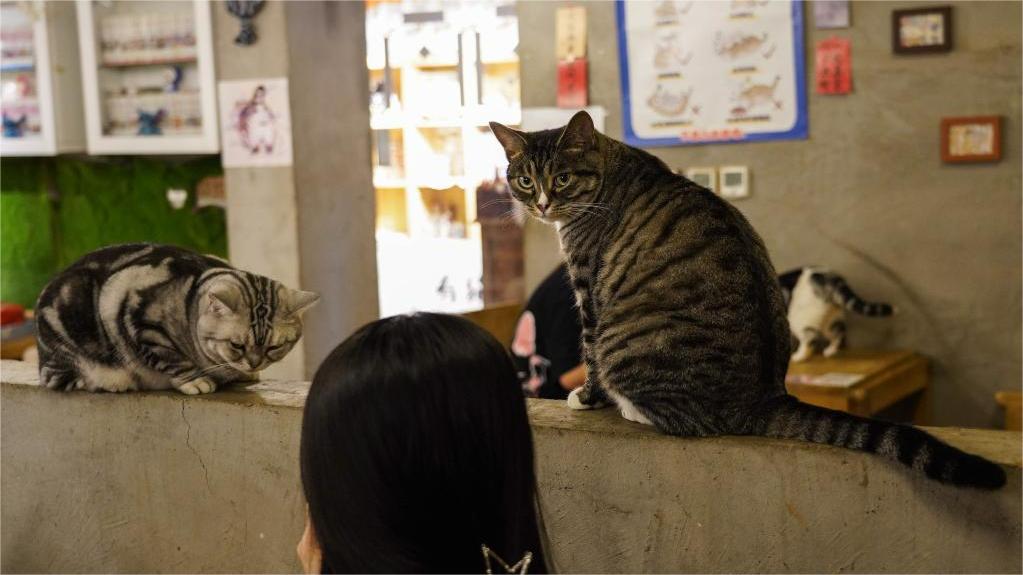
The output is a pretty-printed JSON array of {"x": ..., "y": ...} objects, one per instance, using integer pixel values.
[{"x": 416, "y": 451}]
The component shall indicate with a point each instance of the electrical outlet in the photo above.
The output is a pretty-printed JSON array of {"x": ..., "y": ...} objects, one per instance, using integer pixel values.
[{"x": 733, "y": 182}]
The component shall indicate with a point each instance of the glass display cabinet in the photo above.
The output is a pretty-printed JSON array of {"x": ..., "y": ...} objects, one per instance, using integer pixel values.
[
  {"x": 40, "y": 81},
  {"x": 148, "y": 78}
]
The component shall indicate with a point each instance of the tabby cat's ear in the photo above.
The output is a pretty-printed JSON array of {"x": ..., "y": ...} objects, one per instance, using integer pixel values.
[
  {"x": 222, "y": 300},
  {"x": 299, "y": 301},
  {"x": 578, "y": 134},
  {"x": 514, "y": 142}
]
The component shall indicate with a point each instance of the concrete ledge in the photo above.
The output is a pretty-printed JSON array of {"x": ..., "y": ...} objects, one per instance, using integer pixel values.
[{"x": 161, "y": 482}]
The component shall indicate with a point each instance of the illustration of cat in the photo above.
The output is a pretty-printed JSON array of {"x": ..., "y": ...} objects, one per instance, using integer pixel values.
[
  {"x": 738, "y": 45},
  {"x": 669, "y": 103},
  {"x": 668, "y": 53},
  {"x": 148, "y": 316},
  {"x": 753, "y": 95}
]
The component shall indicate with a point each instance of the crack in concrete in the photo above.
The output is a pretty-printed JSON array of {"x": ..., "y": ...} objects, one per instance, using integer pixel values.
[{"x": 188, "y": 443}]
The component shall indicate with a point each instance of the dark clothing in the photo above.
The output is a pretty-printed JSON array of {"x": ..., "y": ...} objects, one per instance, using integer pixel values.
[{"x": 548, "y": 336}]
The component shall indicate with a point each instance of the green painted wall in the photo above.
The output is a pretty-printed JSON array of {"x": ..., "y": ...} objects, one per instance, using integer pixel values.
[{"x": 54, "y": 210}]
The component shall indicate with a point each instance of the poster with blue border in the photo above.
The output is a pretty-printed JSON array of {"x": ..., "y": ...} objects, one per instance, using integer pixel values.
[{"x": 698, "y": 72}]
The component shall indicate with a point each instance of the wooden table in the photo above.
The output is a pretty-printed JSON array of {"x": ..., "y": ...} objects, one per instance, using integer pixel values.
[
  {"x": 1012, "y": 401},
  {"x": 886, "y": 377}
]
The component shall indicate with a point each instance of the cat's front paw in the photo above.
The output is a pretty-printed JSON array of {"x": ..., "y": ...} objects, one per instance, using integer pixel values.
[
  {"x": 197, "y": 386},
  {"x": 586, "y": 397},
  {"x": 802, "y": 354},
  {"x": 574, "y": 402}
]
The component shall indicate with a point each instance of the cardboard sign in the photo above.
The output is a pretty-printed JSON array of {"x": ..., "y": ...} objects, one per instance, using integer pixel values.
[
  {"x": 570, "y": 33},
  {"x": 572, "y": 91},
  {"x": 834, "y": 66}
]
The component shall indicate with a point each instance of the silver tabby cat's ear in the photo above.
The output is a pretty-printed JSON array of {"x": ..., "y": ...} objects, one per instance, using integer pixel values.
[
  {"x": 223, "y": 299},
  {"x": 577, "y": 136},
  {"x": 513, "y": 141},
  {"x": 299, "y": 301}
]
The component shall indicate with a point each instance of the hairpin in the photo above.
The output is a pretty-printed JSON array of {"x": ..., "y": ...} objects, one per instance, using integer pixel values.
[{"x": 521, "y": 567}]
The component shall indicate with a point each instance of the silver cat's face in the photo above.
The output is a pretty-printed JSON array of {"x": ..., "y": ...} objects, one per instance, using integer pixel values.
[{"x": 249, "y": 328}]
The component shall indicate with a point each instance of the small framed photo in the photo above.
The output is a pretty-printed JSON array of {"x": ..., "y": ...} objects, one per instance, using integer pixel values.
[
  {"x": 706, "y": 177},
  {"x": 970, "y": 140},
  {"x": 922, "y": 30}
]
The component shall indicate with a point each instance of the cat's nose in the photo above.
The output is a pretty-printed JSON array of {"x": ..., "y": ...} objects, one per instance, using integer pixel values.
[
  {"x": 542, "y": 203},
  {"x": 254, "y": 359}
]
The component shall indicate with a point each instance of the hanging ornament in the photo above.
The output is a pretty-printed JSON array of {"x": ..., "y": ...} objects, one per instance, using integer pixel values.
[{"x": 245, "y": 10}]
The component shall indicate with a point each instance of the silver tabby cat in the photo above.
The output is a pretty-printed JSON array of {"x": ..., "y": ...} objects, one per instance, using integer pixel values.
[
  {"x": 684, "y": 323},
  {"x": 147, "y": 316}
]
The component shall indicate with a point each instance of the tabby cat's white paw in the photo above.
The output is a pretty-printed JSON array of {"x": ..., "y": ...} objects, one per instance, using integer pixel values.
[
  {"x": 574, "y": 402},
  {"x": 198, "y": 386}
]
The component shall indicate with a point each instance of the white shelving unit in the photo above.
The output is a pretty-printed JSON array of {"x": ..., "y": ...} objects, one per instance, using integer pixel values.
[
  {"x": 446, "y": 83},
  {"x": 439, "y": 73},
  {"x": 148, "y": 77},
  {"x": 40, "y": 79}
]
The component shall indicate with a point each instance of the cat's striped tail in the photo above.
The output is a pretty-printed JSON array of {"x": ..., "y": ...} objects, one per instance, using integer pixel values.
[
  {"x": 788, "y": 418},
  {"x": 847, "y": 298}
]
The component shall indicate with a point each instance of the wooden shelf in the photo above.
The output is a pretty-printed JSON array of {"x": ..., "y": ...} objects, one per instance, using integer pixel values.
[{"x": 155, "y": 62}]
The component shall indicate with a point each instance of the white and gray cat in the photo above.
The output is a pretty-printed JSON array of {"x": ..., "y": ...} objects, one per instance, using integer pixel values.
[
  {"x": 817, "y": 299},
  {"x": 147, "y": 317}
]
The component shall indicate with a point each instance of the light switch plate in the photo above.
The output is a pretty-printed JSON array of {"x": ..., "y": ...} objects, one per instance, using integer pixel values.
[
  {"x": 733, "y": 182},
  {"x": 706, "y": 177}
]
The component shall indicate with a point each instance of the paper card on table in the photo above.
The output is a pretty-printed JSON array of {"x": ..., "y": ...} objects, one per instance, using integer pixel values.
[
  {"x": 830, "y": 379},
  {"x": 570, "y": 32},
  {"x": 572, "y": 90},
  {"x": 834, "y": 66}
]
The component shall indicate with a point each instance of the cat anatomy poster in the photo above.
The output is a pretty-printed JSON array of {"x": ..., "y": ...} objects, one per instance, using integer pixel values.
[
  {"x": 255, "y": 123},
  {"x": 702, "y": 72}
]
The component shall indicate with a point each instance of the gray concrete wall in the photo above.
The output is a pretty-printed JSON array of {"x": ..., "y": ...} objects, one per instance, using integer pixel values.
[
  {"x": 333, "y": 173},
  {"x": 311, "y": 224},
  {"x": 867, "y": 194},
  {"x": 161, "y": 482},
  {"x": 262, "y": 219}
]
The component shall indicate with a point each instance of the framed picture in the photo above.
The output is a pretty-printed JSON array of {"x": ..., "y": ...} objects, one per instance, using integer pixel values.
[
  {"x": 922, "y": 30},
  {"x": 973, "y": 139}
]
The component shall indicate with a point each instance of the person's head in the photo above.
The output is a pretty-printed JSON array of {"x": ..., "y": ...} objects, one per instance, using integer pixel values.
[{"x": 416, "y": 451}]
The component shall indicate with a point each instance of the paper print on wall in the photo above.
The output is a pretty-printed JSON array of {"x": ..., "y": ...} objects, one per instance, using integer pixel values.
[
  {"x": 255, "y": 123},
  {"x": 831, "y": 14},
  {"x": 700, "y": 72},
  {"x": 834, "y": 66}
]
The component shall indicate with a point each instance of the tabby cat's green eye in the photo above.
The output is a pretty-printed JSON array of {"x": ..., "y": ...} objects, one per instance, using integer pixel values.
[
  {"x": 563, "y": 179},
  {"x": 237, "y": 346},
  {"x": 525, "y": 182}
]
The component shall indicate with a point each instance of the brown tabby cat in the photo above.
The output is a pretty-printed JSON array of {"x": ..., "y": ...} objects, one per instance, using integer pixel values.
[{"x": 684, "y": 323}]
